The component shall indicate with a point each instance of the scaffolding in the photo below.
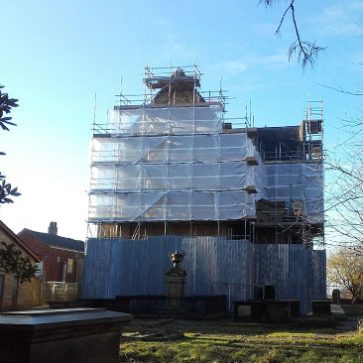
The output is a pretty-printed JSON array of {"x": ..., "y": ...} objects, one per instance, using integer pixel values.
[
  {"x": 170, "y": 172},
  {"x": 169, "y": 155},
  {"x": 311, "y": 130},
  {"x": 170, "y": 162},
  {"x": 294, "y": 180}
]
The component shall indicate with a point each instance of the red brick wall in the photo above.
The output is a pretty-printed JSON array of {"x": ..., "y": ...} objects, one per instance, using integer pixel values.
[{"x": 54, "y": 259}]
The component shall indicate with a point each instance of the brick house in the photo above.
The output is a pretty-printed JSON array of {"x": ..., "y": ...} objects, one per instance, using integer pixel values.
[
  {"x": 28, "y": 294},
  {"x": 61, "y": 258}
]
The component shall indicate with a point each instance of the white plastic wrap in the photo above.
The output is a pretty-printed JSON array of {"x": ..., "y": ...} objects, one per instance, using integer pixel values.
[
  {"x": 165, "y": 120},
  {"x": 133, "y": 178},
  {"x": 172, "y": 206},
  {"x": 172, "y": 164},
  {"x": 174, "y": 149},
  {"x": 297, "y": 182}
]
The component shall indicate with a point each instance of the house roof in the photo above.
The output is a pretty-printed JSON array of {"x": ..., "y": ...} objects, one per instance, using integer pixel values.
[
  {"x": 57, "y": 241},
  {"x": 18, "y": 241}
]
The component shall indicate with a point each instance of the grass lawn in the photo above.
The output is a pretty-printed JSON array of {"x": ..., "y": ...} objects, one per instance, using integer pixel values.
[{"x": 307, "y": 340}]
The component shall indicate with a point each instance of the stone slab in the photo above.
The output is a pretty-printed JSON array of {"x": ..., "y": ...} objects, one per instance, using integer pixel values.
[
  {"x": 321, "y": 307},
  {"x": 61, "y": 335},
  {"x": 269, "y": 311}
]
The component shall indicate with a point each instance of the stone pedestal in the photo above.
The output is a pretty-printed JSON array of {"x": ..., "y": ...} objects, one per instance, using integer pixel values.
[
  {"x": 175, "y": 281},
  {"x": 58, "y": 336}
]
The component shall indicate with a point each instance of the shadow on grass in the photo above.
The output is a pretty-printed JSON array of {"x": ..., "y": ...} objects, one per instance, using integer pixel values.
[{"x": 227, "y": 334}]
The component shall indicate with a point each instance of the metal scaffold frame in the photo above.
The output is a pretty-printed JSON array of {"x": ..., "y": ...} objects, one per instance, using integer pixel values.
[
  {"x": 170, "y": 156},
  {"x": 294, "y": 180}
]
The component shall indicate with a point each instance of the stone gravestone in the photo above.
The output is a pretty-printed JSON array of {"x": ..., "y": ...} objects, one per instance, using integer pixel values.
[{"x": 336, "y": 296}]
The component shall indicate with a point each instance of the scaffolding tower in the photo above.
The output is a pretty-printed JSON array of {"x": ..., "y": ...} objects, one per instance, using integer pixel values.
[
  {"x": 293, "y": 211},
  {"x": 170, "y": 162}
]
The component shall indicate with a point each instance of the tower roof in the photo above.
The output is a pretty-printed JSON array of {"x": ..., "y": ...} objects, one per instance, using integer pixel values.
[{"x": 178, "y": 88}]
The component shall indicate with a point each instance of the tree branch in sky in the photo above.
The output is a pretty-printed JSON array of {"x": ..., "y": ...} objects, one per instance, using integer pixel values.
[{"x": 305, "y": 51}]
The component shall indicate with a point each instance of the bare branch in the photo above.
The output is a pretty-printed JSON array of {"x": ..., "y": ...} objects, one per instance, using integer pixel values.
[
  {"x": 341, "y": 90},
  {"x": 277, "y": 31},
  {"x": 306, "y": 52}
]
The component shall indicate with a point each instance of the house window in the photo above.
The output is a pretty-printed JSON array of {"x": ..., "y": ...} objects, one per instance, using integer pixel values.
[
  {"x": 70, "y": 265},
  {"x": 40, "y": 269}
]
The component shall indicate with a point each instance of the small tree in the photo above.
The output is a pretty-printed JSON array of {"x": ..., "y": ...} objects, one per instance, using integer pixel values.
[
  {"x": 345, "y": 268},
  {"x": 6, "y": 104},
  {"x": 13, "y": 262}
]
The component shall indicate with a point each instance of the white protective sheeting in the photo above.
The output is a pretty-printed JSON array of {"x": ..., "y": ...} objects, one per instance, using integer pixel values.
[
  {"x": 297, "y": 182},
  {"x": 133, "y": 178},
  {"x": 176, "y": 165},
  {"x": 174, "y": 149},
  {"x": 172, "y": 206},
  {"x": 165, "y": 120}
]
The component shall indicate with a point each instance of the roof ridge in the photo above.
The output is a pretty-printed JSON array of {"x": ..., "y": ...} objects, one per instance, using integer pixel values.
[
  {"x": 19, "y": 240},
  {"x": 57, "y": 241},
  {"x": 56, "y": 235}
]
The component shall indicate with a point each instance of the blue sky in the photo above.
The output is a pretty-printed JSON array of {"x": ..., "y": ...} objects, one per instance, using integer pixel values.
[{"x": 56, "y": 55}]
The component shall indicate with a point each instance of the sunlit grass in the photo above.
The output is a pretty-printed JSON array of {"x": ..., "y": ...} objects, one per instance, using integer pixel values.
[
  {"x": 353, "y": 339},
  {"x": 290, "y": 335},
  {"x": 211, "y": 351},
  {"x": 223, "y": 341}
]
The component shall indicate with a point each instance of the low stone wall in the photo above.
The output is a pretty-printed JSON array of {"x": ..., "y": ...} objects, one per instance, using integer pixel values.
[
  {"x": 191, "y": 307},
  {"x": 36, "y": 293}
]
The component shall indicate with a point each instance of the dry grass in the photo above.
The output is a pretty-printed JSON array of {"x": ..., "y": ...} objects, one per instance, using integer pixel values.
[{"x": 308, "y": 340}]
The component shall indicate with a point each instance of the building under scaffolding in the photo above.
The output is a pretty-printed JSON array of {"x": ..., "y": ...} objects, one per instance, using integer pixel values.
[{"x": 171, "y": 169}]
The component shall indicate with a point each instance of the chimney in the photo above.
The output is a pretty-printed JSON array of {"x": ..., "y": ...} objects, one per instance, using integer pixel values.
[{"x": 53, "y": 229}]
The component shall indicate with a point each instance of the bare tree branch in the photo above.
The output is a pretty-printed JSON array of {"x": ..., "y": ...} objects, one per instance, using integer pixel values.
[
  {"x": 306, "y": 52},
  {"x": 341, "y": 90},
  {"x": 346, "y": 268}
]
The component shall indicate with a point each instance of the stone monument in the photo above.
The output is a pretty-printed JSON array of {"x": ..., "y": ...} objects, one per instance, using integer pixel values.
[
  {"x": 81, "y": 335},
  {"x": 336, "y": 296},
  {"x": 175, "y": 278}
]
